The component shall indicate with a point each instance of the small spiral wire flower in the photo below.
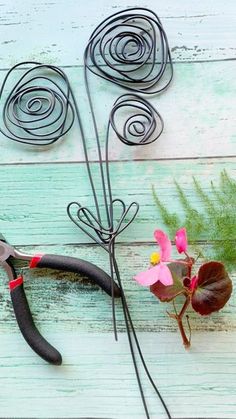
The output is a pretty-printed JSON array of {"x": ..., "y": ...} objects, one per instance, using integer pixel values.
[
  {"x": 36, "y": 107},
  {"x": 135, "y": 121},
  {"x": 130, "y": 48}
]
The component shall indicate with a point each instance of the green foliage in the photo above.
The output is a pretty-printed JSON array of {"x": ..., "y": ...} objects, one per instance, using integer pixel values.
[{"x": 214, "y": 222}]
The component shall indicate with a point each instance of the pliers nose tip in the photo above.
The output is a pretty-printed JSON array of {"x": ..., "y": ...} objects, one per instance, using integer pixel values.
[{"x": 56, "y": 359}]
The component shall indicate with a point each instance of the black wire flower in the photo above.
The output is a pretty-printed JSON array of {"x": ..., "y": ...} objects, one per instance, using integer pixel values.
[
  {"x": 130, "y": 48},
  {"x": 36, "y": 107}
]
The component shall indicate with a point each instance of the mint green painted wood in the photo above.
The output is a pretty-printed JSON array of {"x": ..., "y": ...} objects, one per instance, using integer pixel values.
[
  {"x": 36, "y": 196},
  {"x": 57, "y": 31},
  {"x": 97, "y": 378},
  {"x": 194, "y": 124}
]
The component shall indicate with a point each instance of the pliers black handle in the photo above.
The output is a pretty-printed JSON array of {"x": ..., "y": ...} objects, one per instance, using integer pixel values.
[
  {"x": 19, "y": 300},
  {"x": 27, "y": 326},
  {"x": 80, "y": 266}
]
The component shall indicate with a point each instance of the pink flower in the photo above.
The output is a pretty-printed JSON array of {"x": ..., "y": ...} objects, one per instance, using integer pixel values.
[
  {"x": 160, "y": 272},
  {"x": 181, "y": 240}
]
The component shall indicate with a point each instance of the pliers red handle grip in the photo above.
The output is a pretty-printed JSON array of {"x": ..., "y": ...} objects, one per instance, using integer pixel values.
[{"x": 19, "y": 300}]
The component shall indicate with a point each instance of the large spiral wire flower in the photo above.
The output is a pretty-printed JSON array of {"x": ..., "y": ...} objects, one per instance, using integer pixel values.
[
  {"x": 35, "y": 104},
  {"x": 130, "y": 48}
]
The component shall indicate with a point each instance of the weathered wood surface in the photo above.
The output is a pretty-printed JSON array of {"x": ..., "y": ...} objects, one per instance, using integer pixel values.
[
  {"x": 97, "y": 379},
  {"x": 57, "y": 31},
  {"x": 35, "y": 198}
]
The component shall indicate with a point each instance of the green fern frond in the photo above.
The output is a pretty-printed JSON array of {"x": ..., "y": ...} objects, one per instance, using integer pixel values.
[
  {"x": 203, "y": 196},
  {"x": 193, "y": 220},
  {"x": 228, "y": 186},
  {"x": 171, "y": 220},
  {"x": 214, "y": 222},
  {"x": 217, "y": 195}
]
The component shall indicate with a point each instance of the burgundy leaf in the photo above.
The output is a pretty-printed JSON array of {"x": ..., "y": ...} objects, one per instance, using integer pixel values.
[
  {"x": 213, "y": 288},
  {"x": 168, "y": 293}
]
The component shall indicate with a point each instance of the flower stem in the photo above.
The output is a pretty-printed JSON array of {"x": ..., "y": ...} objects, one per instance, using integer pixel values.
[
  {"x": 189, "y": 263},
  {"x": 184, "y": 308},
  {"x": 179, "y": 319},
  {"x": 186, "y": 341}
]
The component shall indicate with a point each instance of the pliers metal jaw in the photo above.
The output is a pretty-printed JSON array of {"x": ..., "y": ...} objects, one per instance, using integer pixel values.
[{"x": 19, "y": 300}]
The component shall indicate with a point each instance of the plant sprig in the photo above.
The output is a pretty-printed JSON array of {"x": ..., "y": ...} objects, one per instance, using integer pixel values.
[
  {"x": 207, "y": 289},
  {"x": 214, "y": 221}
]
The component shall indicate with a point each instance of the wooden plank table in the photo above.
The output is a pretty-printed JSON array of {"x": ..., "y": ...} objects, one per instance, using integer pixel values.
[{"x": 97, "y": 378}]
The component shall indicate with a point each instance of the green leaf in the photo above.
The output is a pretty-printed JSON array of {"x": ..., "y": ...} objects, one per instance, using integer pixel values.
[
  {"x": 213, "y": 290},
  {"x": 168, "y": 293}
]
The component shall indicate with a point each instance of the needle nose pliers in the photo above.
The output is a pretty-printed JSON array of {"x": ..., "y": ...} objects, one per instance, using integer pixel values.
[{"x": 19, "y": 300}]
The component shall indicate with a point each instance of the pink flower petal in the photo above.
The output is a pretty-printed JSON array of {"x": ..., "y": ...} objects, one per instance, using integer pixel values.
[
  {"x": 165, "y": 276},
  {"x": 164, "y": 243},
  {"x": 148, "y": 277},
  {"x": 181, "y": 240}
]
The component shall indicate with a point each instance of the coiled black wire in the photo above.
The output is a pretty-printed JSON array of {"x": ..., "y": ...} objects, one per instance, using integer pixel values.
[
  {"x": 130, "y": 48},
  {"x": 36, "y": 106},
  {"x": 142, "y": 124},
  {"x": 108, "y": 55},
  {"x": 105, "y": 233}
]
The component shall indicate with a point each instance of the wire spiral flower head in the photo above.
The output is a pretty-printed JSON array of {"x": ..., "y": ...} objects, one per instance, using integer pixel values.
[
  {"x": 141, "y": 123},
  {"x": 36, "y": 107},
  {"x": 130, "y": 48}
]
